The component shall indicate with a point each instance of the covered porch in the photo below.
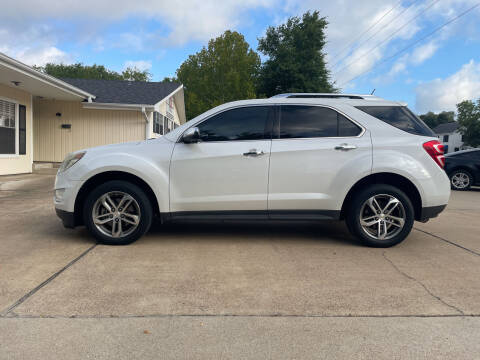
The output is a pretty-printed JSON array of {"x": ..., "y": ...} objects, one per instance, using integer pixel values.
[{"x": 20, "y": 86}]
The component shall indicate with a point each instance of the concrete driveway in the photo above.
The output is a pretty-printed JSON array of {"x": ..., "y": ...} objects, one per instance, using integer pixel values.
[{"x": 263, "y": 290}]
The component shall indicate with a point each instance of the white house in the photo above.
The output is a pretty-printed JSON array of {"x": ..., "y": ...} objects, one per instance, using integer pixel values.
[
  {"x": 43, "y": 118},
  {"x": 449, "y": 136}
]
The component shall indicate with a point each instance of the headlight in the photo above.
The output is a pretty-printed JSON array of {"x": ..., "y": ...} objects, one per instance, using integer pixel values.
[{"x": 70, "y": 160}]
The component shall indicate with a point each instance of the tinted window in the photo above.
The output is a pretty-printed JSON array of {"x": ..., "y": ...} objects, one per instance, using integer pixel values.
[
  {"x": 400, "y": 117},
  {"x": 314, "y": 121},
  {"x": 307, "y": 122},
  {"x": 247, "y": 123},
  {"x": 346, "y": 127}
]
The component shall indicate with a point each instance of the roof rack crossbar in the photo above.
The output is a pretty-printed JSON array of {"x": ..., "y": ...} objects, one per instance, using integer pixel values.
[
  {"x": 325, "y": 96},
  {"x": 321, "y": 96}
]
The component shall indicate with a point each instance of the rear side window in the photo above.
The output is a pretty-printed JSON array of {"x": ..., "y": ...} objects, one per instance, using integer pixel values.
[
  {"x": 400, "y": 117},
  {"x": 297, "y": 121},
  {"x": 346, "y": 127},
  {"x": 246, "y": 123}
]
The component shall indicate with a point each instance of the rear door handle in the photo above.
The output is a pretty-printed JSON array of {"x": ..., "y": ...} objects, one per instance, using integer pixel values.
[
  {"x": 345, "y": 147},
  {"x": 254, "y": 153}
]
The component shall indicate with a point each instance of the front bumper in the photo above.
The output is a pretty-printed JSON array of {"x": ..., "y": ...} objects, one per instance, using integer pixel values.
[
  {"x": 66, "y": 191},
  {"x": 68, "y": 218}
]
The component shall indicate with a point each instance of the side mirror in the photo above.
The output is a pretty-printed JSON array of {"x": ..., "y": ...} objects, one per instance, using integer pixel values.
[{"x": 191, "y": 136}]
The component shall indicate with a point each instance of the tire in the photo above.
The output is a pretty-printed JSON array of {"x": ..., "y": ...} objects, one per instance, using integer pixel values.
[
  {"x": 134, "y": 219},
  {"x": 400, "y": 206},
  {"x": 461, "y": 180}
]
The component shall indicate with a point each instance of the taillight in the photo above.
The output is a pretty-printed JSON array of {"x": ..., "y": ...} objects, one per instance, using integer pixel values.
[{"x": 434, "y": 148}]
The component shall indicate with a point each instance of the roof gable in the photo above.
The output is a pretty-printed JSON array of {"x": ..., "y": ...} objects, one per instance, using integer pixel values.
[
  {"x": 124, "y": 91},
  {"x": 446, "y": 128}
]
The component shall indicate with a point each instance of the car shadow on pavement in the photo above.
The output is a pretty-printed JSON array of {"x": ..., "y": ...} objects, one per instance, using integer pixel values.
[{"x": 321, "y": 231}]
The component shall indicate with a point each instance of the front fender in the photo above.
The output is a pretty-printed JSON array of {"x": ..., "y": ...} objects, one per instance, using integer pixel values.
[{"x": 154, "y": 173}]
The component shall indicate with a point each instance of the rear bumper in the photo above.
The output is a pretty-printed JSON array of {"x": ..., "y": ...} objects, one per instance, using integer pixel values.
[
  {"x": 68, "y": 218},
  {"x": 431, "y": 212}
]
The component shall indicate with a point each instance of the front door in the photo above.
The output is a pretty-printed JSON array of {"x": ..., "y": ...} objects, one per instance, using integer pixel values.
[{"x": 226, "y": 172}]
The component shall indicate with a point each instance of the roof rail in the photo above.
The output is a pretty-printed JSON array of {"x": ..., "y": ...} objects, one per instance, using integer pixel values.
[{"x": 325, "y": 96}]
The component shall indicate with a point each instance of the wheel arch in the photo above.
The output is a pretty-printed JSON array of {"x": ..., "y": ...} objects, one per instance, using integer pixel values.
[
  {"x": 104, "y": 177},
  {"x": 393, "y": 179}
]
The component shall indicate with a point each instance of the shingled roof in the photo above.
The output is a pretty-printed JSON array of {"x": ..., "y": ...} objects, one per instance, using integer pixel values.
[
  {"x": 125, "y": 92},
  {"x": 446, "y": 128}
]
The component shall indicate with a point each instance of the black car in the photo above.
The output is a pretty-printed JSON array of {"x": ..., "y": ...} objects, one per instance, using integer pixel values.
[{"x": 463, "y": 168}]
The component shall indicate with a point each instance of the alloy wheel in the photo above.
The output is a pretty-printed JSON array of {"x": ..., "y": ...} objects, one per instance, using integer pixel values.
[
  {"x": 460, "y": 180},
  {"x": 382, "y": 216},
  {"x": 116, "y": 214}
]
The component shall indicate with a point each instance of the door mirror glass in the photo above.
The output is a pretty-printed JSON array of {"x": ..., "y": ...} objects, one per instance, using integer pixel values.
[{"x": 191, "y": 136}]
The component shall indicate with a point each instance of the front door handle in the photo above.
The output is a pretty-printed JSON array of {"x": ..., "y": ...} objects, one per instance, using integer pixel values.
[
  {"x": 254, "y": 153},
  {"x": 345, "y": 147}
]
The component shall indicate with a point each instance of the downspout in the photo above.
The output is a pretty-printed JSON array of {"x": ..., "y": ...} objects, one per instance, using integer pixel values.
[{"x": 147, "y": 125}]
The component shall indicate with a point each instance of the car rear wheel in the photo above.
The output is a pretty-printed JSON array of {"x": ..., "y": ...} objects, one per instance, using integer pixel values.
[
  {"x": 380, "y": 216},
  {"x": 117, "y": 213},
  {"x": 461, "y": 180}
]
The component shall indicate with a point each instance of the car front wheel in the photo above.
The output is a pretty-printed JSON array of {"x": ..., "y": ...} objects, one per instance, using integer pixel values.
[
  {"x": 380, "y": 216},
  {"x": 117, "y": 213}
]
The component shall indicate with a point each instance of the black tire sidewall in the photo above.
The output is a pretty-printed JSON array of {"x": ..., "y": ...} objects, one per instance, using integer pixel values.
[
  {"x": 137, "y": 193},
  {"x": 470, "y": 178},
  {"x": 353, "y": 215}
]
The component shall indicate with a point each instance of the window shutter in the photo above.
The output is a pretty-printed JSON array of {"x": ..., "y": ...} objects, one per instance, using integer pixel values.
[{"x": 22, "y": 129}]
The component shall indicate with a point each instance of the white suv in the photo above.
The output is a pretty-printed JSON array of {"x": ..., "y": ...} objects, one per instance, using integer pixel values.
[{"x": 294, "y": 156}]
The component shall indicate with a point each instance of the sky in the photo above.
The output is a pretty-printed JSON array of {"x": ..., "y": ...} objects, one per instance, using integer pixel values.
[{"x": 371, "y": 44}]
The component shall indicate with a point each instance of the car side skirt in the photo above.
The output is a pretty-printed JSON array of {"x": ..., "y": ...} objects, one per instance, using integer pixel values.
[{"x": 301, "y": 215}]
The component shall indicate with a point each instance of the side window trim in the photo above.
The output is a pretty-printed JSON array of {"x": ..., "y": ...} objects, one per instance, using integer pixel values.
[{"x": 278, "y": 120}]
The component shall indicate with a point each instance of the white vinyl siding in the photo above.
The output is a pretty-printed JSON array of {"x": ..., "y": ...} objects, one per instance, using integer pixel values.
[{"x": 88, "y": 128}]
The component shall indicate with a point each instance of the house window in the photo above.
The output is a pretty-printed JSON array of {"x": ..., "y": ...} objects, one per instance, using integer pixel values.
[
  {"x": 170, "y": 105},
  {"x": 157, "y": 123},
  {"x": 168, "y": 124},
  {"x": 445, "y": 138},
  {"x": 8, "y": 127}
]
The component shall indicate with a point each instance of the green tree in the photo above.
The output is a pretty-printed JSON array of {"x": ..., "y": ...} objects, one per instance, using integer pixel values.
[
  {"x": 224, "y": 71},
  {"x": 80, "y": 71},
  {"x": 468, "y": 114},
  {"x": 296, "y": 61},
  {"x": 135, "y": 74},
  {"x": 433, "y": 120}
]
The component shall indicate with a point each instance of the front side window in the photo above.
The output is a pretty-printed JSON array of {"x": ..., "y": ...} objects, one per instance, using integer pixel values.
[
  {"x": 7, "y": 127},
  {"x": 245, "y": 123},
  {"x": 299, "y": 121},
  {"x": 400, "y": 117}
]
